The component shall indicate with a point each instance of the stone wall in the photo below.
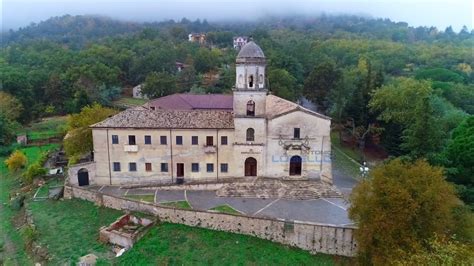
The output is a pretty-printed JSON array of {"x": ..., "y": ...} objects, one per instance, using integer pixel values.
[{"x": 316, "y": 238}]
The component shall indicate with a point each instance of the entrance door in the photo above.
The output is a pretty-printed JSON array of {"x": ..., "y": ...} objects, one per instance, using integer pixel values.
[
  {"x": 295, "y": 165},
  {"x": 250, "y": 167},
  {"x": 179, "y": 169},
  {"x": 83, "y": 177}
]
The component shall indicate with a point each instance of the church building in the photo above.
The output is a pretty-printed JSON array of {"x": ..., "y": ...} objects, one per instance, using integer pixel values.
[{"x": 186, "y": 137}]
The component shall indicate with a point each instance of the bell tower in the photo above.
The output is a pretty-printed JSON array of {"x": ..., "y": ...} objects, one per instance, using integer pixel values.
[
  {"x": 250, "y": 90},
  {"x": 250, "y": 95}
]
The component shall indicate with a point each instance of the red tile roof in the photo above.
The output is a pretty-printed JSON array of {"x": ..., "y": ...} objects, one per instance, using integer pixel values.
[{"x": 193, "y": 102}]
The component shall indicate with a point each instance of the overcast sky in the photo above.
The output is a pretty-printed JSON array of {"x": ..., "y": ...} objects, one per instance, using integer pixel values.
[{"x": 439, "y": 13}]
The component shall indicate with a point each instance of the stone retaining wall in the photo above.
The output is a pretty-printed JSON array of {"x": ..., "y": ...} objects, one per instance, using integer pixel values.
[{"x": 316, "y": 238}]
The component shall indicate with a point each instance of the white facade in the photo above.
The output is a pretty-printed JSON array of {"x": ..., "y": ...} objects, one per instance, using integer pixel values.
[
  {"x": 240, "y": 41},
  {"x": 137, "y": 92}
]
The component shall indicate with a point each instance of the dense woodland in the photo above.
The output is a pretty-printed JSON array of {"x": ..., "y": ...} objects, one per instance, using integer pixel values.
[{"x": 406, "y": 90}]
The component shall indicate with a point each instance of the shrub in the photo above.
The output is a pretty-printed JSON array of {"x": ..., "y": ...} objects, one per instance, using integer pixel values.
[
  {"x": 16, "y": 161},
  {"x": 33, "y": 171}
]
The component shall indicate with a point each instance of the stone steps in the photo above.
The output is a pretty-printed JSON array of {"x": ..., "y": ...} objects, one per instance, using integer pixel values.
[{"x": 272, "y": 188}]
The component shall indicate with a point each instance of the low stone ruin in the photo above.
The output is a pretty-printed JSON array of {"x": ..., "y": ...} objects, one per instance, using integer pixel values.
[{"x": 124, "y": 232}]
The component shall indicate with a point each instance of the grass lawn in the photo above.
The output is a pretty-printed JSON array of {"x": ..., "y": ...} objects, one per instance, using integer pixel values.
[
  {"x": 225, "y": 209},
  {"x": 174, "y": 244},
  {"x": 147, "y": 198},
  {"x": 33, "y": 153},
  {"x": 70, "y": 228},
  {"x": 11, "y": 243},
  {"x": 182, "y": 204},
  {"x": 48, "y": 127},
  {"x": 129, "y": 102}
]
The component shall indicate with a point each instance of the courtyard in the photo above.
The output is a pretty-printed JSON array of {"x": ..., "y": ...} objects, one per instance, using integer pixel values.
[{"x": 325, "y": 210}]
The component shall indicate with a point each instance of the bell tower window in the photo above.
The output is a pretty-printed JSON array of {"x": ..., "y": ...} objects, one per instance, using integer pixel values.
[
  {"x": 251, "y": 81},
  {"x": 251, "y": 108},
  {"x": 250, "y": 134}
]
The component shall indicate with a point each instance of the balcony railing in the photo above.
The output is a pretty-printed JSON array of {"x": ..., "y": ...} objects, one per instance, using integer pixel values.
[
  {"x": 209, "y": 149},
  {"x": 130, "y": 148}
]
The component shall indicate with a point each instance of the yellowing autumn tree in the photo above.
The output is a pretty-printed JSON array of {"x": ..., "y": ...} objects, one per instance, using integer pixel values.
[
  {"x": 78, "y": 140},
  {"x": 399, "y": 208}
]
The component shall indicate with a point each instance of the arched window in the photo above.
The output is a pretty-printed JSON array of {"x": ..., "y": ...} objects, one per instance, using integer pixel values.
[
  {"x": 251, "y": 108},
  {"x": 241, "y": 79},
  {"x": 250, "y": 134},
  {"x": 260, "y": 79},
  {"x": 251, "y": 81}
]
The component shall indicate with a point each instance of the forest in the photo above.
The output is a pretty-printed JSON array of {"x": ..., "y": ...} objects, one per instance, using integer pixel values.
[{"x": 408, "y": 91}]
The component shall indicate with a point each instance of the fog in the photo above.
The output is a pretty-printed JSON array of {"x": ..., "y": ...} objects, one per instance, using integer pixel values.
[{"x": 439, "y": 13}]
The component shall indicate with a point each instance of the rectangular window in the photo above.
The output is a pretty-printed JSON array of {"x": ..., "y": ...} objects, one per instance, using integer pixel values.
[
  {"x": 179, "y": 140},
  {"x": 224, "y": 168},
  {"x": 195, "y": 167},
  {"x": 116, "y": 167},
  {"x": 147, "y": 139},
  {"x": 224, "y": 140},
  {"x": 209, "y": 141},
  {"x": 194, "y": 140},
  {"x": 115, "y": 139},
  {"x": 296, "y": 133},
  {"x": 132, "y": 167},
  {"x": 131, "y": 140},
  {"x": 210, "y": 167},
  {"x": 163, "y": 140},
  {"x": 148, "y": 167},
  {"x": 164, "y": 167}
]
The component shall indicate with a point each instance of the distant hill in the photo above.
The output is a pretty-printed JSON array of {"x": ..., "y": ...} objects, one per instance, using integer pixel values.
[{"x": 74, "y": 31}]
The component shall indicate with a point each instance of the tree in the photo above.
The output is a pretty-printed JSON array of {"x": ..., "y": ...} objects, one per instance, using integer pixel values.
[
  {"x": 78, "y": 140},
  {"x": 398, "y": 208},
  {"x": 322, "y": 79},
  {"x": 459, "y": 155},
  {"x": 206, "y": 60},
  {"x": 408, "y": 102},
  {"x": 441, "y": 252},
  {"x": 158, "y": 84},
  {"x": 7, "y": 133},
  {"x": 283, "y": 84},
  {"x": 440, "y": 74},
  {"x": 16, "y": 161},
  {"x": 10, "y": 107}
]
